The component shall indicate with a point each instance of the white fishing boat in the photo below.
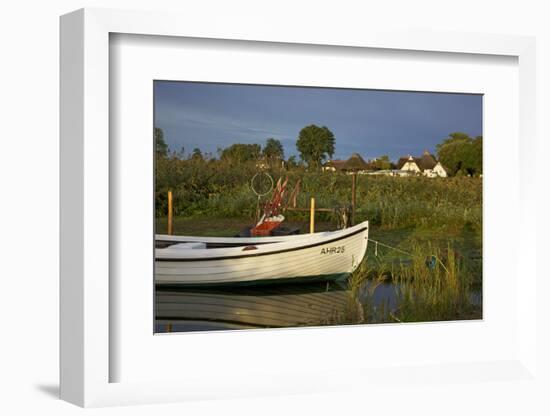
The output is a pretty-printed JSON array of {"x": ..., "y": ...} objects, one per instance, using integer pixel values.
[{"x": 219, "y": 260}]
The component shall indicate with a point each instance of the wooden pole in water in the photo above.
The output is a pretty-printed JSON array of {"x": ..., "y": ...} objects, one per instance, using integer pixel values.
[
  {"x": 170, "y": 214},
  {"x": 312, "y": 216},
  {"x": 353, "y": 192}
]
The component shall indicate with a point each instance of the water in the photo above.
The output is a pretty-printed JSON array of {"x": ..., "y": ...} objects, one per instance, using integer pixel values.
[
  {"x": 264, "y": 306},
  {"x": 267, "y": 306}
]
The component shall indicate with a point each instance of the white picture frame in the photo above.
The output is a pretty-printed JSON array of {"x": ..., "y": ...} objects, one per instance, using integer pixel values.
[{"x": 86, "y": 356}]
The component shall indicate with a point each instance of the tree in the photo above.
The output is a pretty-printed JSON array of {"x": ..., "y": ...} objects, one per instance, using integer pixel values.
[
  {"x": 461, "y": 154},
  {"x": 315, "y": 144},
  {"x": 476, "y": 155},
  {"x": 161, "y": 147},
  {"x": 382, "y": 163},
  {"x": 239, "y": 152},
  {"x": 273, "y": 150},
  {"x": 197, "y": 154},
  {"x": 456, "y": 137}
]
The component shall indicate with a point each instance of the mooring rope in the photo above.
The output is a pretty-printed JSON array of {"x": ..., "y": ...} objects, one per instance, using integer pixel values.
[
  {"x": 402, "y": 252},
  {"x": 387, "y": 246}
]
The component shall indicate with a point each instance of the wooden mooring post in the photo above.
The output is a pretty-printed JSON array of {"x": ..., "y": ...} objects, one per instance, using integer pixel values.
[
  {"x": 312, "y": 216},
  {"x": 170, "y": 230},
  {"x": 353, "y": 192}
]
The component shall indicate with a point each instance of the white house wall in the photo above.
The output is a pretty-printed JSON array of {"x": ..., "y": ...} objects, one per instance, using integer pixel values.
[
  {"x": 439, "y": 171},
  {"x": 412, "y": 166}
]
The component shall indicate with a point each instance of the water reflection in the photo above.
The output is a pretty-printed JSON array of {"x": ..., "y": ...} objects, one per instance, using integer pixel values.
[{"x": 269, "y": 306}]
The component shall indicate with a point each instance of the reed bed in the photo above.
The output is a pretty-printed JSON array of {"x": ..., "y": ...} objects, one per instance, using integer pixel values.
[
  {"x": 218, "y": 189},
  {"x": 423, "y": 289}
]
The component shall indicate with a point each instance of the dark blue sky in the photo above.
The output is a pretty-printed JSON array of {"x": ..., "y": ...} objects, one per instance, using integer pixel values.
[{"x": 369, "y": 122}]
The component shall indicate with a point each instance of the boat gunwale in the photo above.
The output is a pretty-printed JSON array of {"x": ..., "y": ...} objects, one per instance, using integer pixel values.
[
  {"x": 263, "y": 253},
  {"x": 166, "y": 238}
]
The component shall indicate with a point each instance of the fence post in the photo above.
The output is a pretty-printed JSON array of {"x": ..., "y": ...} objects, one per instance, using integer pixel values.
[
  {"x": 295, "y": 193},
  {"x": 353, "y": 192},
  {"x": 312, "y": 216},
  {"x": 170, "y": 214}
]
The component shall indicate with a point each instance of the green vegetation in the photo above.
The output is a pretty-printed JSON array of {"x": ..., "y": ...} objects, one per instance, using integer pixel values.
[
  {"x": 197, "y": 154},
  {"x": 426, "y": 217},
  {"x": 161, "y": 148},
  {"x": 240, "y": 153},
  {"x": 461, "y": 154},
  {"x": 440, "y": 293},
  {"x": 382, "y": 163},
  {"x": 216, "y": 188},
  {"x": 419, "y": 215}
]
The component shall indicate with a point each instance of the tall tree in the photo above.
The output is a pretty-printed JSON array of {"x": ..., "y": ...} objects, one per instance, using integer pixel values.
[
  {"x": 315, "y": 144},
  {"x": 273, "y": 150},
  {"x": 456, "y": 137},
  {"x": 461, "y": 154},
  {"x": 161, "y": 147}
]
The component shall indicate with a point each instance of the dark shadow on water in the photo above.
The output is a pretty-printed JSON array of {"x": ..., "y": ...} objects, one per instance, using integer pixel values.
[{"x": 51, "y": 390}]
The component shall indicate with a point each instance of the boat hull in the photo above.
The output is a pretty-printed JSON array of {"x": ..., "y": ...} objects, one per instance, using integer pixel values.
[{"x": 323, "y": 255}]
